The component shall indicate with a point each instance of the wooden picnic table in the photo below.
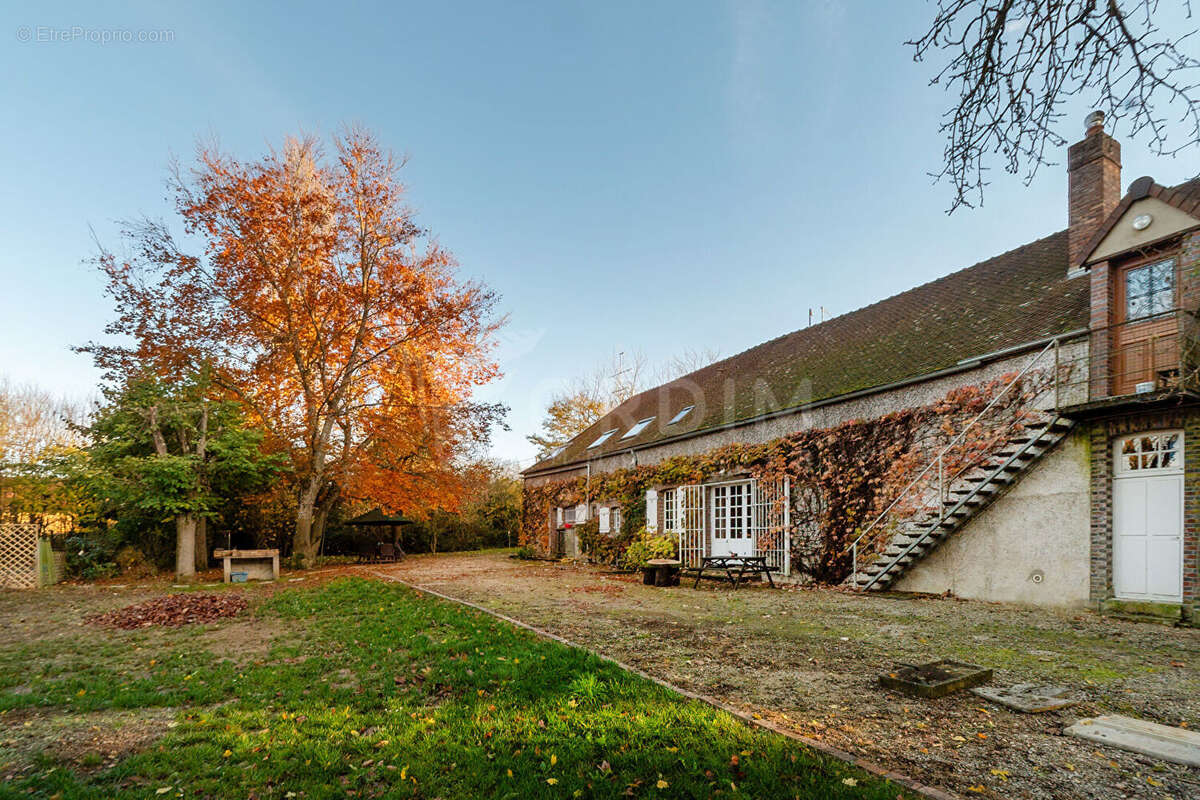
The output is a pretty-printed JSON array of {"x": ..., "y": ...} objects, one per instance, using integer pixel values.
[{"x": 735, "y": 567}]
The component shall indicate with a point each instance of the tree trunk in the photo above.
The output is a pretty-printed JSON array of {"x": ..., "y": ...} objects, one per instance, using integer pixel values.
[
  {"x": 304, "y": 545},
  {"x": 201, "y": 543},
  {"x": 185, "y": 545}
]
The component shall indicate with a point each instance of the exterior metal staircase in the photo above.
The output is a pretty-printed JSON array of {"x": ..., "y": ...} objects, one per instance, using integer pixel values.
[
  {"x": 946, "y": 503},
  {"x": 916, "y": 539}
]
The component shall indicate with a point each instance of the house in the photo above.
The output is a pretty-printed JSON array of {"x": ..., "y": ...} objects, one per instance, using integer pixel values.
[{"x": 1026, "y": 429}]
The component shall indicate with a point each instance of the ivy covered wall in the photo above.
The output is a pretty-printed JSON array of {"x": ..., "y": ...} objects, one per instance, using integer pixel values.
[{"x": 841, "y": 477}]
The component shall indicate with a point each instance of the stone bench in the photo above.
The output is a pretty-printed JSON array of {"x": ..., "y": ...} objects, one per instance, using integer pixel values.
[{"x": 259, "y": 565}]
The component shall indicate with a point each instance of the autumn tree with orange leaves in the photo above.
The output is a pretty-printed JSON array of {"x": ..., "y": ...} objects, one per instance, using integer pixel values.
[{"x": 317, "y": 302}]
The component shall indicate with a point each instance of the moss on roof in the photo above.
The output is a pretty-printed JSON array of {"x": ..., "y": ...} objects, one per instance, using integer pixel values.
[{"x": 1013, "y": 299}]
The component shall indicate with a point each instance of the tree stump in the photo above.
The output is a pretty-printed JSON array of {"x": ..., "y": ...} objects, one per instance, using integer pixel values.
[{"x": 661, "y": 572}]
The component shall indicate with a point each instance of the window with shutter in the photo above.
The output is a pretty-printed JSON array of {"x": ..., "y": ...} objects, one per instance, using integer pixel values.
[{"x": 602, "y": 514}]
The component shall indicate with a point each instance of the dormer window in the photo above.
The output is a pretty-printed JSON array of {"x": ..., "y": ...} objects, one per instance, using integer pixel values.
[
  {"x": 1150, "y": 289},
  {"x": 638, "y": 428},
  {"x": 602, "y": 438}
]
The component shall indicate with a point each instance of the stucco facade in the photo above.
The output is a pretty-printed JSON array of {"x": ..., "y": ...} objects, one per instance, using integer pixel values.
[{"x": 1031, "y": 546}]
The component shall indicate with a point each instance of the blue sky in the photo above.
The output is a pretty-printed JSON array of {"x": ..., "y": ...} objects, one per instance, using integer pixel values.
[{"x": 627, "y": 175}]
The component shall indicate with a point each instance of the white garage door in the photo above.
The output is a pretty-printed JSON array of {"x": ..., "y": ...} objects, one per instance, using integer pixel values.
[{"x": 1148, "y": 517}]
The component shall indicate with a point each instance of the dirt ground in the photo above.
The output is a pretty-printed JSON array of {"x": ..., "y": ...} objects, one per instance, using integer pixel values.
[{"x": 810, "y": 658}]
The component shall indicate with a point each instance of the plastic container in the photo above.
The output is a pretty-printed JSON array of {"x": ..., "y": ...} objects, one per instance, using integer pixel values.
[{"x": 239, "y": 577}]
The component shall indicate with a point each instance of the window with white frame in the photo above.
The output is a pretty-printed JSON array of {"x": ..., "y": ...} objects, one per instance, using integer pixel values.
[
  {"x": 670, "y": 504},
  {"x": 569, "y": 515},
  {"x": 602, "y": 438},
  {"x": 614, "y": 519},
  {"x": 683, "y": 412},
  {"x": 731, "y": 511},
  {"x": 1150, "y": 451},
  {"x": 638, "y": 427}
]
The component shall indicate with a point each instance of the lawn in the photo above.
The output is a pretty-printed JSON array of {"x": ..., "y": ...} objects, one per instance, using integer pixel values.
[
  {"x": 359, "y": 688},
  {"x": 808, "y": 660}
]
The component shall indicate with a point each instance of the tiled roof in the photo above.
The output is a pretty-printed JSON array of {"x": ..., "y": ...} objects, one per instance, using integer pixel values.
[{"x": 1013, "y": 299}]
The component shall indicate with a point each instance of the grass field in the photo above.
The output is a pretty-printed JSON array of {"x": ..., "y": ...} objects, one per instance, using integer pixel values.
[{"x": 361, "y": 688}]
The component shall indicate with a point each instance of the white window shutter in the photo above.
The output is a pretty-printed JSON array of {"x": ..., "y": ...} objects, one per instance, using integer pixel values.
[
  {"x": 604, "y": 520},
  {"x": 560, "y": 516},
  {"x": 651, "y": 510},
  {"x": 581, "y": 513}
]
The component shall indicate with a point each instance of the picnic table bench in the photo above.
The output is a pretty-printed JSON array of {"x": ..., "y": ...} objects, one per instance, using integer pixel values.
[
  {"x": 735, "y": 567},
  {"x": 379, "y": 552}
]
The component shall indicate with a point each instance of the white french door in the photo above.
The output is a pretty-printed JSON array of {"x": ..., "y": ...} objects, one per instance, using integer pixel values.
[
  {"x": 1148, "y": 517},
  {"x": 730, "y": 520}
]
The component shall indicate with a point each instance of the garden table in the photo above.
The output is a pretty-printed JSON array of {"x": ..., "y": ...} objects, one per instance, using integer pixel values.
[{"x": 736, "y": 568}]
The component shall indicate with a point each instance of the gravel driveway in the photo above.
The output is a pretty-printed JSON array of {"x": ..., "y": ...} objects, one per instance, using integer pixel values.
[{"x": 809, "y": 659}]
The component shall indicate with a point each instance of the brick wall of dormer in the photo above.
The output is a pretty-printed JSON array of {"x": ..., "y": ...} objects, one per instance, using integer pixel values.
[{"x": 1099, "y": 322}]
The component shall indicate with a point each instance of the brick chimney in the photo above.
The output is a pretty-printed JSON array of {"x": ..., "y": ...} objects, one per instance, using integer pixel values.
[{"x": 1094, "y": 176}]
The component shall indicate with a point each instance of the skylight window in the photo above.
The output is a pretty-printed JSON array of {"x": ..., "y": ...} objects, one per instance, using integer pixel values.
[
  {"x": 557, "y": 451},
  {"x": 602, "y": 438},
  {"x": 682, "y": 413},
  {"x": 638, "y": 428}
]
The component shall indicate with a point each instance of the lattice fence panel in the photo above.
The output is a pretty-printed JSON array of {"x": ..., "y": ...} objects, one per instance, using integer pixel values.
[
  {"x": 771, "y": 523},
  {"x": 693, "y": 541},
  {"x": 18, "y": 555}
]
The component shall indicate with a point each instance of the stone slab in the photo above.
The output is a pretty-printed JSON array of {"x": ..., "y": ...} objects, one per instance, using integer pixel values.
[
  {"x": 1028, "y": 698},
  {"x": 935, "y": 679},
  {"x": 1138, "y": 736}
]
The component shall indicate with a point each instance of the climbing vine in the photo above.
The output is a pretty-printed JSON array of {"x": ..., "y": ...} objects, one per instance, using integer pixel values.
[{"x": 841, "y": 477}]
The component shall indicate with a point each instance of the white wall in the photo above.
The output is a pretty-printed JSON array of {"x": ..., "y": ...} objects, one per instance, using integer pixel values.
[{"x": 1040, "y": 527}]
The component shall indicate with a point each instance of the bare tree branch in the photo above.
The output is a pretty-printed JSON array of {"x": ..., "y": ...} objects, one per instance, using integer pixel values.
[{"x": 1014, "y": 64}]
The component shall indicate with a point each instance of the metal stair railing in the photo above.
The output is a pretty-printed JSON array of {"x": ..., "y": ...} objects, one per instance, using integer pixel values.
[
  {"x": 960, "y": 505},
  {"x": 939, "y": 461}
]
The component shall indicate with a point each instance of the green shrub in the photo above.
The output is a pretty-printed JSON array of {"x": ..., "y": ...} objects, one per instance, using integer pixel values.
[
  {"x": 90, "y": 555},
  {"x": 602, "y": 548},
  {"x": 527, "y": 553},
  {"x": 647, "y": 546}
]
